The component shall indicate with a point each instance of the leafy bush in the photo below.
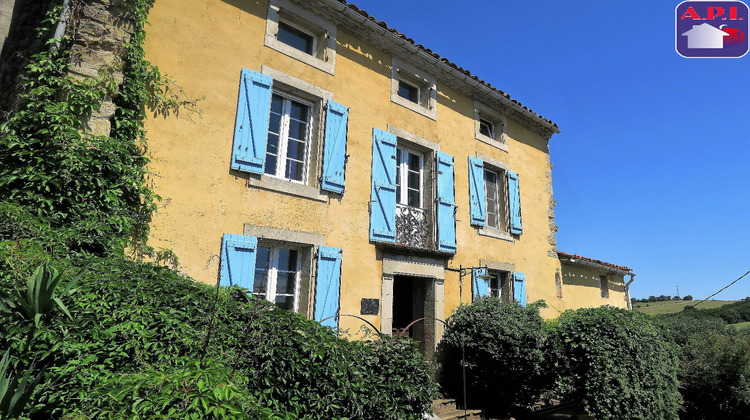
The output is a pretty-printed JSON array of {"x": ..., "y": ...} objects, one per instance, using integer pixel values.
[
  {"x": 186, "y": 389},
  {"x": 714, "y": 367},
  {"x": 714, "y": 376},
  {"x": 504, "y": 355},
  {"x": 681, "y": 328},
  {"x": 618, "y": 363},
  {"x": 145, "y": 327}
]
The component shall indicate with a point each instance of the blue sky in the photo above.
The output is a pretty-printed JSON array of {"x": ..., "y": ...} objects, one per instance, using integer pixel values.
[{"x": 650, "y": 170}]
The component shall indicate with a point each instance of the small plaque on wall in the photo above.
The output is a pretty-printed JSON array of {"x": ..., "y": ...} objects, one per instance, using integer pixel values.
[{"x": 369, "y": 306}]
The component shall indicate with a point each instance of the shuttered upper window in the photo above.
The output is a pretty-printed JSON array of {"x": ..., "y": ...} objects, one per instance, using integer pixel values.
[
  {"x": 496, "y": 199},
  {"x": 288, "y": 138},
  {"x": 409, "y": 168},
  {"x": 495, "y": 202},
  {"x": 278, "y": 134}
]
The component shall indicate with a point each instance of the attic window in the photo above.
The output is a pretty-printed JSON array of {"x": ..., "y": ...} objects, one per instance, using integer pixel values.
[
  {"x": 408, "y": 91},
  {"x": 296, "y": 38},
  {"x": 413, "y": 88},
  {"x": 486, "y": 128},
  {"x": 490, "y": 126},
  {"x": 300, "y": 34}
]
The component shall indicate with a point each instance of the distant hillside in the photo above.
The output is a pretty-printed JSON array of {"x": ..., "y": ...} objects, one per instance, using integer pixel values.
[
  {"x": 675, "y": 306},
  {"x": 732, "y": 313}
]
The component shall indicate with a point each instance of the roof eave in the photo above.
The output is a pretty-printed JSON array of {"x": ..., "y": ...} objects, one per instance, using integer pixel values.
[{"x": 456, "y": 73}]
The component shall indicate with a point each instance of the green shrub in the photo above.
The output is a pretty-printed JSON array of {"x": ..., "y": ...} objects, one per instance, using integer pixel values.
[
  {"x": 681, "y": 328},
  {"x": 504, "y": 355},
  {"x": 618, "y": 363},
  {"x": 132, "y": 323},
  {"x": 184, "y": 389},
  {"x": 714, "y": 376},
  {"x": 714, "y": 366}
]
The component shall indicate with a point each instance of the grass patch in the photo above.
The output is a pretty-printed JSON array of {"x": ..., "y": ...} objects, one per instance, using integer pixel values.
[
  {"x": 742, "y": 325},
  {"x": 675, "y": 306}
]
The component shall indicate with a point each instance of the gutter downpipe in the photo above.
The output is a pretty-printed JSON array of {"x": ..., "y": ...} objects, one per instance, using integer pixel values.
[
  {"x": 627, "y": 291},
  {"x": 62, "y": 26}
]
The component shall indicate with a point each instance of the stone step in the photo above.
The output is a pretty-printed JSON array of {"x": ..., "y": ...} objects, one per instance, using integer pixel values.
[
  {"x": 459, "y": 414},
  {"x": 441, "y": 406}
]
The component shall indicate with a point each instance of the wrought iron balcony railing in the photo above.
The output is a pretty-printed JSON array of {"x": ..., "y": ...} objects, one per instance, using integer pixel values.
[{"x": 412, "y": 227}]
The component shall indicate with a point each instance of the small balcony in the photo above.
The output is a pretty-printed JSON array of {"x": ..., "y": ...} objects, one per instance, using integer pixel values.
[{"x": 412, "y": 227}]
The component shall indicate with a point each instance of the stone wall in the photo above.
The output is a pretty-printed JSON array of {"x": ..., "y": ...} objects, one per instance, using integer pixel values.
[{"x": 101, "y": 30}]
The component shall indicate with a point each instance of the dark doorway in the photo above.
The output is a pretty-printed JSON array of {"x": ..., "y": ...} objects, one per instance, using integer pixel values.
[{"x": 412, "y": 300}]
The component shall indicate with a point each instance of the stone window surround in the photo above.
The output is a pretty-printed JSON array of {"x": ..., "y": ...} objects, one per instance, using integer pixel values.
[
  {"x": 499, "y": 121},
  {"x": 311, "y": 189},
  {"x": 496, "y": 266},
  {"x": 323, "y": 30},
  {"x": 487, "y": 230},
  {"x": 402, "y": 70},
  {"x": 428, "y": 268},
  {"x": 306, "y": 243}
]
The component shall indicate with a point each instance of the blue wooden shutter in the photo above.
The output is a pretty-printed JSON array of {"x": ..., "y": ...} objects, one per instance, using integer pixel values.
[
  {"x": 251, "y": 124},
  {"x": 476, "y": 192},
  {"x": 238, "y": 254},
  {"x": 519, "y": 288},
  {"x": 334, "y": 153},
  {"x": 383, "y": 194},
  {"x": 514, "y": 198},
  {"x": 328, "y": 285},
  {"x": 480, "y": 287},
  {"x": 446, "y": 204}
]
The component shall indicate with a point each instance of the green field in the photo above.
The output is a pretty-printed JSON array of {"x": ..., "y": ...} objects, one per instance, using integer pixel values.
[
  {"x": 742, "y": 325},
  {"x": 674, "y": 306}
]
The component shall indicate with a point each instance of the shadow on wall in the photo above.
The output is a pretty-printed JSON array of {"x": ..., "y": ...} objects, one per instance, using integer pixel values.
[
  {"x": 569, "y": 278},
  {"x": 20, "y": 18},
  {"x": 351, "y": 48}
]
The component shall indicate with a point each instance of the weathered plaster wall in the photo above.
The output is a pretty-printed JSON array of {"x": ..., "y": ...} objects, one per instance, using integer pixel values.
[
  {"x": 203, "y": 46},
  {"x": 581, "y": 288}
]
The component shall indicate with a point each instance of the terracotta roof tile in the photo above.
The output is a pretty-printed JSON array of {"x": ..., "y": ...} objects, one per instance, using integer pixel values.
[
  {"x": 443, "y": 59},
  {"x": 566, "y": 255}
]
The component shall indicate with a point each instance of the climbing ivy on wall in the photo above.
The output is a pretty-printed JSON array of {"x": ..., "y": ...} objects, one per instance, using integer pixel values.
[{"x": 94, "y": 188}]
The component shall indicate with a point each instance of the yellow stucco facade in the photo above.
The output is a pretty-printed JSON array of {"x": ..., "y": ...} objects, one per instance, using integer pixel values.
[{"x": 205, "y": 45}]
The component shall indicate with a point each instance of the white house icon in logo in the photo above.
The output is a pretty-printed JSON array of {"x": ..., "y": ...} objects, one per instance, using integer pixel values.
[{"x": 705, "y": 36}]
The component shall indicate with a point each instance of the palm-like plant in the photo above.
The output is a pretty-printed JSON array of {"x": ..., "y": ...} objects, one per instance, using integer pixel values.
[
  {"x": 14, "y": 393},
  {"x": 42, "y": 294}
]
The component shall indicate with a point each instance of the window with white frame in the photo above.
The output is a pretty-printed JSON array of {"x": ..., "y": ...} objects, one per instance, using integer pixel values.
[
  {"x": 288, "y": 138},
  {"x": 277, "y": 276},
  {"x": 311, "y": 40},
  {"x": 409, "y": 174},
  {"x": 496, "y": 199},
  {"x": 500, "y": 285}
]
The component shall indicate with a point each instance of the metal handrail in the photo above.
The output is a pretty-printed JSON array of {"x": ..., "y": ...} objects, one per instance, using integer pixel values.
[
  {"x": 353, "y": 316},
  {"x": 463, "y": 353}
]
